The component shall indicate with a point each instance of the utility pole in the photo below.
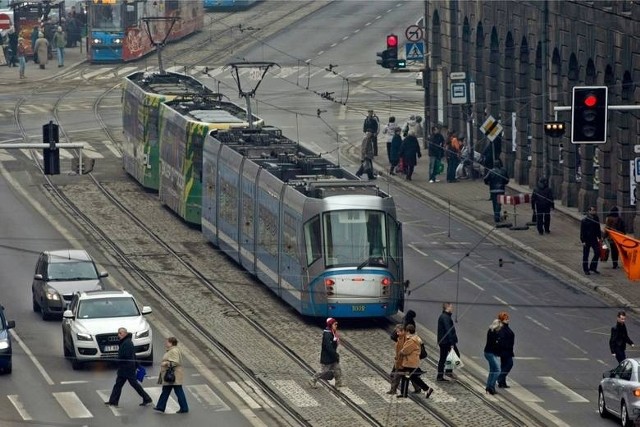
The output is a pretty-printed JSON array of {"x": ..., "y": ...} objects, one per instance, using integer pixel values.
[
  {"x": 543, "y": 81},
  {"x": 426, "y": 75}
]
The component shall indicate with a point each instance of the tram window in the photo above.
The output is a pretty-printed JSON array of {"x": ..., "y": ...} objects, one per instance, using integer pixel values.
[
  {"x": 130, "y": 16},
  {"x": 313, "y": 241},
  {"x": 352, "y": 237}
]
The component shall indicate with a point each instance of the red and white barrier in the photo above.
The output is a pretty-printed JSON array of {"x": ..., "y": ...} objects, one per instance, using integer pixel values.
[{"x": 518, "y": 199}]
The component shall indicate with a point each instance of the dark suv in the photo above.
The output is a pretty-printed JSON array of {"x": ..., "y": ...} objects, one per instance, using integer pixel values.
[
  {"x": 58, "y": 276},
  {"x": 5, "y": 342}
]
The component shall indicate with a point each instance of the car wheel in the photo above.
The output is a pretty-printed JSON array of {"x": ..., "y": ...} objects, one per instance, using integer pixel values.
[
  {"x": 602, "y": 407},
  {"x": 9, "y": 368},
  {"x": 66, "y": 351},
  {"x": 624, "y": 416},
  {"x": 43, "y": 312},
  {"x": 76, "y": 365},
  {"x": 36, "y": 306}
]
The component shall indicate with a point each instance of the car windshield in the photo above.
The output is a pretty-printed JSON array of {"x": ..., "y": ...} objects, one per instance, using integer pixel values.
[
  {"x": 107, "y": 307},
  {"x": 81, "y": 270}
]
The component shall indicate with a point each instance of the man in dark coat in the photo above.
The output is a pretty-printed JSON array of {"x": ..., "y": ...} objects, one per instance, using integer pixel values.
[
  {"x": 127, "y": 367},
  {"x": 410, "y": 153},
  {"x": 619, "y": 338},
  {"x": 366, "y": 156},
  {"x": 329, "y": 357},
  {"x": 542, "y": 203},
  {"x": 497, "y": 180},
  {"x": 436, "y": 153},
  {"x": 447, "y": 340},
  {"x": 506, "y": 342},
  {"x": 372, "y": 124},
  {"x": 590, "y": 236}
]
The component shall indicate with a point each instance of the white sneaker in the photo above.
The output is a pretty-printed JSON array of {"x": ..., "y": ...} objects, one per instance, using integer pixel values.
[
  {"x": 437, "y": 180},
  {"x": 431, "y": 181}
]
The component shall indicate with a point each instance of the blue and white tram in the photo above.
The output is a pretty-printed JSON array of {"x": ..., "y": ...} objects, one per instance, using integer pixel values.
[
  {"x": 322, "y": 240},
  {"x": 227, "y": 4}
]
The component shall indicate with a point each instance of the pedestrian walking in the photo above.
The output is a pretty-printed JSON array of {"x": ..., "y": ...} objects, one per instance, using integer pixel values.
[
  {"x": 366, "y": 157},
  {"x": 491, "y": 353},
  {"x": 34, "y": 38},
  {"x": 614, "y": 222},
  {"x": 398, "y": 336},
  {"x": 419, "y": 132},
  {"x": 410, "y": 362},
  {"x": 42, "y": 50},
  {"x": 436, "y": 153},
  {"x": 389, "y": 132},
  {"x": 408, "y": 125},
  {"x": 590, "y": 236},
  {"x": 506, "y": 342},
  {"x": 329, "y": 357},
  {"x": 372, "y": 124},
  {"x": 12, "y": 37},
  {"x": 60, "y": 42},
  {"x": 447, "y": 340},
  {"x": 620, "y": 338},
  {"x": 410, "y": 153},
  {"x": 22, "y": 60},
  {"x": 497, "y": 180},
  {"x": 172, "y": 359},
  {"x": 452, "y": 151},
  {"x": 127, "y": 367},
  {"x": 408, "y": 319},
  {"x": 394, "y": 153},
  {"x": 542, "y": 203}
]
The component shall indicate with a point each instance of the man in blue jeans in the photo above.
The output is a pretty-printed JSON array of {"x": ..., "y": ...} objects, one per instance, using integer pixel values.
[{"x": 497, "y": 180}]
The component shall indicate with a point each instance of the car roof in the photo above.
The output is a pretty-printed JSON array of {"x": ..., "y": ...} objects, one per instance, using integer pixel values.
[
  {"x": 104, "y": 294},
  {"x": 68, "y": 255}
]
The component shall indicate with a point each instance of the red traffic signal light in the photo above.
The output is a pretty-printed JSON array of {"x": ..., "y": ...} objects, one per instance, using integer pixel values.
[
  {"x": 590, "y": 101},
  {"x": 392, "y": 41},
  {"x": 589, "y": 108}
]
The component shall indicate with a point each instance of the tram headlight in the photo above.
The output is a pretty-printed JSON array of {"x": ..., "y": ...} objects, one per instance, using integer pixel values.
[
  {"x": 118, "y": 41},
  {"x": 96, "y": 41}
]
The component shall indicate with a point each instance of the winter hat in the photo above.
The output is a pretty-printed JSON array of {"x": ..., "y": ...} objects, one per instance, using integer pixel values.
[
  {"x": 503, "y": 315},
  {"x": 331, "y": 321}
]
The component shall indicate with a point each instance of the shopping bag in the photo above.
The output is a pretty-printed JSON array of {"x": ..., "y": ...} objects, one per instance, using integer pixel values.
[
  {"x": 453, "y": 361},
  {"x": 141, "y": 372},
  {"x": 439, "y": 167},
  {"x": 604, "y": 250}
]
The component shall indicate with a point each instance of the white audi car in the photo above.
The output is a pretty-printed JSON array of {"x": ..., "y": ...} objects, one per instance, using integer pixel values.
[{"x": 90, "y": 327}]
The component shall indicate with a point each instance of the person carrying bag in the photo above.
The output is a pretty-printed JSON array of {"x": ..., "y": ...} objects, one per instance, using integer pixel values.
[{"x": 171, "y": 376}]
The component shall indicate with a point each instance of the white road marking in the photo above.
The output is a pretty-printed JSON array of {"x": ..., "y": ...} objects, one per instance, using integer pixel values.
[
  {"x": 381, "y": 386},
  {"x": 35, "y": 361},
  {"x": 503, "y": 302},
  {"x": 446, "y": 267},
  {"x": 258, "y": 391},
  {"x": 17, "y": 403},
  {"x": 112, "y": 148},
  {"x": 523, "y": 394},
  {"x": 412, "y": 246},
  {"x": 537, "y": 323},
  {"x": 320, "y": 53},
  {"x": 204, "y": 395},
  {"x": 95, "y": 73},
  {"x": 333, "y": 44},
  {"x": 367, "y": 24},
  {"x": 243, "y": 395},
  {"x": 72, "y": 404},
  {"x": 104, "y": 396},
  {"x": 127, "y": 70},
  {"x": 352, "y": 396},
  {"x": 5, "y": 156},
  {"x": 74, "y": 382},
  {"x": 294, "y": 393},
  {"x": 574, "y": 345},
  {"x": 471, "y": 282},
  {"x": 563, "y": 390}
]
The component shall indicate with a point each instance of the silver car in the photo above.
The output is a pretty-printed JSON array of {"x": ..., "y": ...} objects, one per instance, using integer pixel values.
[
  {"x": 58, "y": 276},
  {"x": 619, "y": 392}
]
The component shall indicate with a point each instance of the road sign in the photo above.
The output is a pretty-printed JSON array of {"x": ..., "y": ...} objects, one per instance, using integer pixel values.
[
  {"x": 637, "y": 171},
  {"x": 491, "y": 128},
  {"x": 458, "y": 93},
  {"x": 414, "y": 51},
  {"x": 459, "y": 75},
  {"x": 414, "y": 33},
  {"x": 5, "y": 21}
]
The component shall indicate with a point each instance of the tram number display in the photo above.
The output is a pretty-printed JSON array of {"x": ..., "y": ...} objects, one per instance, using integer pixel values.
[
  {"x": 104, "y": 1},
  {"x": 358, "y": 308}
]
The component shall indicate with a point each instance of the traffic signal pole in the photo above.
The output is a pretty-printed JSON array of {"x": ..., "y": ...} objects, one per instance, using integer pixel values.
[{"x": 426, "y": 76}]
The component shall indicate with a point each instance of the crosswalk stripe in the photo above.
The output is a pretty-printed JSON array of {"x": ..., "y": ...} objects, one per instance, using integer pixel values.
[
  {"x": 89, "y": 151},
  {"x": 556, "y": 385},
  {"x": 243, "y": 395},
  {"x": 155, "y": 392},
  {"x": 17, "y": 403},
  {"x": 295, "y": 393},
  {"x": 112, "y": 148},
  {"x": 5, "y": 156},
  {"x": 380, "y": 386},
  {"x": 104, "y": 396},
  {"x": 352, "y": 396},
  {"x": 204, "y": 395},
  {"x": 72, "y": 404},
  {"x": 127, "y": 70},
  {"x": 258, "y": 391},
  {"x": 98, "y": 71}
]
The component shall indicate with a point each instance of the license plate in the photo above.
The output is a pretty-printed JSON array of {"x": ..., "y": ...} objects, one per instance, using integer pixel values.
[
  {"x": 110, "y": 348},
  {"x": 358, "y": 307}
]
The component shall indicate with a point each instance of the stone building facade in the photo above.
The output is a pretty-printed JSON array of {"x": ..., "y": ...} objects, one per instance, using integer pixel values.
[{"x": 524, "y": 58}]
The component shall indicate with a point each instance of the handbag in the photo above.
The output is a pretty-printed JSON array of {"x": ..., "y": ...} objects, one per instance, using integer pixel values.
[
  {"x": 423, "y": 351},
  {"x": 170, "y": 374},
  {"x": 453, "y": 361},
  {"x": 367, "y": 166},
  {"x": 141, "y": 372}
]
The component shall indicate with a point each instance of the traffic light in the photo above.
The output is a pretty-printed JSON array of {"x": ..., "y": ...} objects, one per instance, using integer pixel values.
[
  {"x": 554, "y": 129},
  {"x": 589, "y": 108},
  {"x": 51, "y": 155},
  {"x": 392, "y": 47},
  {"x": 389, "y": 57}
]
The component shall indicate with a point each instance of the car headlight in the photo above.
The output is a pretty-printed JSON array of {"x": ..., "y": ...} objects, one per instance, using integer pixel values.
[
  {"x": 142, "y": 334},
  {"x": 83, "y": 337},
  {"x": 51, "y": 294},
  {"x": 4, "y": 344}
]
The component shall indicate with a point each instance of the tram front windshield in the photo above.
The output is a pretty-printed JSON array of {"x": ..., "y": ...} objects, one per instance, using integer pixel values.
[
  {"x": 107, "y": 17},
  {"x": 355, "y": 238}
]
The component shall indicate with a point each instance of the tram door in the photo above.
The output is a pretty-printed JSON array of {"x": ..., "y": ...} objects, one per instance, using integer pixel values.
[{"x": 396, "y": 263}]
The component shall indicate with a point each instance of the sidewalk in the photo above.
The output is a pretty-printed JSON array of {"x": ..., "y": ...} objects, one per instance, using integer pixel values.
[
  {"x": 558, "y": 253},
  {"x": 33, "y": 73}
]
